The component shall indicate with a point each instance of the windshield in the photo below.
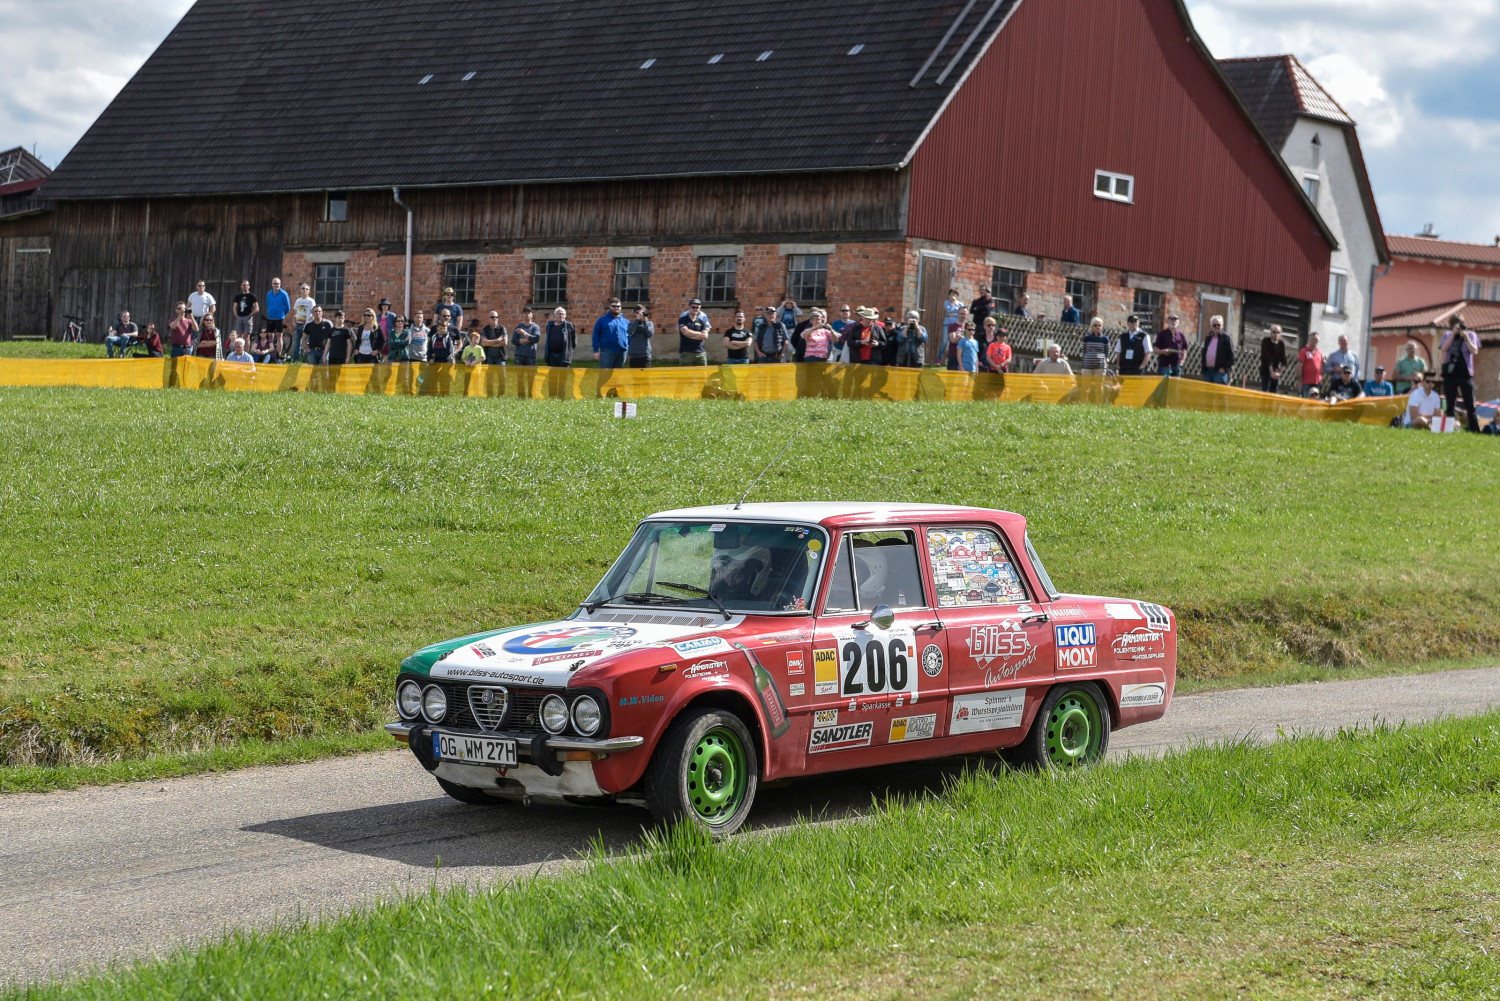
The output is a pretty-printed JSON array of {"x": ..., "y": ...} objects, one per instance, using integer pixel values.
[{"x": 746, "y": 567}]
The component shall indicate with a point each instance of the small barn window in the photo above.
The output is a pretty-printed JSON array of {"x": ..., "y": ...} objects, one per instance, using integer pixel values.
[
  {"x": 1115, "y": 187},
  {"x": 716, "y": 279},
  {"x": 1007, "y": 286},
  {"x": 1310, "y": 184},
  {"x": 1085, "y": 294},
  {"x": 633, "y": 279},
  {"x": 1148, "y": 306},
  {"x": 459, "y": 276},
  {"x": 328, "y": 285},
  {"x": 807, "y": 277},
  {"x": 549, "y": 283},
  {"x": 336, "y": 206}
]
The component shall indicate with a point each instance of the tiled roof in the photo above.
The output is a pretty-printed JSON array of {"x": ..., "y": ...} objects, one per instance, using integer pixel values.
[
  {"x": 1444, "y": 250},
  {"x": 331, "y": 94},
  {"x": 1277, "y": 89},
  {"x": 1478, "y": 314}
]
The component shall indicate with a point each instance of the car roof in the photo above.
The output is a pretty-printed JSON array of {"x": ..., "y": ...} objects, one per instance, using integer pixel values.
[{"x": 843, "y": 514}]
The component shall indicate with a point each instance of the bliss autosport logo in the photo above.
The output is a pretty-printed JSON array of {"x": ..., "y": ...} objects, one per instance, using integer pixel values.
[
  {"x": 1141, "y": 643},
  {"x": 1076, "y": 646},
  {"x": 559, "y": 639},
  {"x": 1001, "y": 649}
]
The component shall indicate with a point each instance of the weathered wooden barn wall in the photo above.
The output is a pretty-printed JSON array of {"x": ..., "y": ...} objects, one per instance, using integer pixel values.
[
  {"x": 26, "y": 288},
  {"x": 145, "y": 255}
]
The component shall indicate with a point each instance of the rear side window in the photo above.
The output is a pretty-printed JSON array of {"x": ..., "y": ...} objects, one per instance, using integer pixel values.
[
  {"x": 876, "y": 568},
  {"x": 971, "y": 566},
  {"x": 1041, "y": 571}
]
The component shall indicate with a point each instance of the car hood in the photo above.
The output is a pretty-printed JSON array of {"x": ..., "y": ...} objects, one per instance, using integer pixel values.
[{"x": 546, "y": 654}]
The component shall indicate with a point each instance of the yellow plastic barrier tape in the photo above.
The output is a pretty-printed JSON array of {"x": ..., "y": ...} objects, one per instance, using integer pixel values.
[{"x": 731, "y": 382}]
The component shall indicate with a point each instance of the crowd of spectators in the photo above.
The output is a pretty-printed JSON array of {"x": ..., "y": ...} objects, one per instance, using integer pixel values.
[{"x": 277, "y": 328}]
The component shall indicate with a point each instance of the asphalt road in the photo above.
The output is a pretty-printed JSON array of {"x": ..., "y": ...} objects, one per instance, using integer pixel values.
[{"x": 127, "y": 872}]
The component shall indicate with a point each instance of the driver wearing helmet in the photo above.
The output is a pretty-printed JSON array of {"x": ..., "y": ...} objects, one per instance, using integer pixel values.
[{"x": 740, "y": 574}]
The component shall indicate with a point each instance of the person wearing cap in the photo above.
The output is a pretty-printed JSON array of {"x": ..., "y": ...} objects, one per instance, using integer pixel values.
[
  {"x": 455, "y": 311},
  {"x": 911, "y": 341},
  {"x": 1133, "y": 347},
  {"x": 1343, "y": 386},
  {"x": 998, "y": 353},
  {"x": 770, "y": 336},
  {"x": 1378, "y": 386},
  {"x": 524, "y": 337},
  {"x": 1272, "y": 359},
  {"x": 1170, "y": 346},
  {"x": 385, "y": 319},
  {"x": 611, "y": 336},
  {"x": 860, "y": 338},
  {"x": 692, "y": 334}
]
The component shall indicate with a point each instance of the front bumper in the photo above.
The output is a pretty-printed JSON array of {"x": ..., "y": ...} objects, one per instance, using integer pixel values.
[
  {"x": 548, "y": 768},
  {"x": 591, "y": 746}
]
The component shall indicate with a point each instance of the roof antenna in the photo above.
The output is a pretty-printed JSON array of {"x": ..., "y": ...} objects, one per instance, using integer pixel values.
[{"x": 779, "y": 456}]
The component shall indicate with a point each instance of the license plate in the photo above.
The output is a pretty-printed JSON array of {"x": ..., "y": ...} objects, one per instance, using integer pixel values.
[{"x": 475, "y": 750}]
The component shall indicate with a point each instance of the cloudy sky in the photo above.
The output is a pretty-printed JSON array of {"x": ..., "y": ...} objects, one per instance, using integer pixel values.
[{"x": 1420, "y": 77}]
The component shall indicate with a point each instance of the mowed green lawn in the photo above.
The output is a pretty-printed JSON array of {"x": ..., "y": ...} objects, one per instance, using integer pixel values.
[
  {"x": 1355, "y": 867},
  {"x": 196, "y": 579}
]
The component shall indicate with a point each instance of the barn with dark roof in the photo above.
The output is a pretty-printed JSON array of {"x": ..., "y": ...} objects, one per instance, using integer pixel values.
[{"x": 542, "y": 153}]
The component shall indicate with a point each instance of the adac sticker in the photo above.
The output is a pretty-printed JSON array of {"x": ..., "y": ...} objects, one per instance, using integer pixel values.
[
  {"x": 913, "y": 728},
  {"x": 558, "y": 639},
  {"x": 825, "y": 672}
]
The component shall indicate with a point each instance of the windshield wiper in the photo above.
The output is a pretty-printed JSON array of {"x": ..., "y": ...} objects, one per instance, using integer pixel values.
[
  {"x": 639, "y": 597},
  {"x": 700, "y": 591}
]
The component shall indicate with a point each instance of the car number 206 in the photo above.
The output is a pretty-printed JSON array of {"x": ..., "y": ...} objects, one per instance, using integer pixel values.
[
  {"x": 476, "y": 750},
  {"x": 876, "y": 666}
]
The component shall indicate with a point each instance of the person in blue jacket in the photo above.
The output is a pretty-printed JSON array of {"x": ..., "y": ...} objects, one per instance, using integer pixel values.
[{"x": 611, "y": 337}]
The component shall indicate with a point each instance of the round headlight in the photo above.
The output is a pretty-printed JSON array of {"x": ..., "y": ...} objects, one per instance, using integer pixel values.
[
  {"x": 554, "y": 714},
  {"x": 586, "y": 715},
  {"x": 434, "y": 704},
  {"x": 409, "y": 699}
]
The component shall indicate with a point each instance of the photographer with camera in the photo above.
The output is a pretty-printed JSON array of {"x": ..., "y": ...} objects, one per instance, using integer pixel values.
[{"x": 911, "y": 341}]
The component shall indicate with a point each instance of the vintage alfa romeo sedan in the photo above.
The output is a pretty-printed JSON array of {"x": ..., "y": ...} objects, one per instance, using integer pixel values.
[{"x": 730, "y": 646}]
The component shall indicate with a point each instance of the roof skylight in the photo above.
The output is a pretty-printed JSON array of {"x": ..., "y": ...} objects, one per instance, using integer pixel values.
[
  {"x": 857, "y": 49},
  {"x": 764, "y": 56},
  {"x": 648, "y": 63},
  {"x": 715, "y": 58},
  {"x": 424, "y": 79}
]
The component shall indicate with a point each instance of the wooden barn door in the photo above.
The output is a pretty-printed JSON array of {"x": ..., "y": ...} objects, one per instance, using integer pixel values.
[
  {"x": 97, "y": 296},
  {"x": 934, "y": 279},
  {"x": 25, "y": 284}
]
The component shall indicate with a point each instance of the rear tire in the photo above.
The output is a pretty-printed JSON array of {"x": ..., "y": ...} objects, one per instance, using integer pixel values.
[
  {"x": 464, "y": 794},
  {"x": 705, "y": 771},
  {"x": 1071, "y": 730}
]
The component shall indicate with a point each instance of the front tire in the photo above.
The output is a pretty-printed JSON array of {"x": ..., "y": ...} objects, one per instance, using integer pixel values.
[
  {"x": 705, "y": 771},
  {"x": 473, "y": 797},
  {"x": 1070, "y": 730}
]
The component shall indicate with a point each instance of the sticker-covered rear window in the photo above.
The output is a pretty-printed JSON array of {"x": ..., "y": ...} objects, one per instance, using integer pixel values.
[{"x": 970, "y": 566}]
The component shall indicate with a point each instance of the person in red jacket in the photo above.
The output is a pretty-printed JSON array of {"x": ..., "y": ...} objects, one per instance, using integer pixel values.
[{"x": 1311, "y": 360}]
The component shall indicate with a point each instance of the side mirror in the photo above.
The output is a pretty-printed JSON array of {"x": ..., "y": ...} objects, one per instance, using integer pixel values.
[{"x": 882, "y": 616}]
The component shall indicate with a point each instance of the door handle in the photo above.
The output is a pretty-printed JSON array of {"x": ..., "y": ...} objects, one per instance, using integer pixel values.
[
  {"x": 935, "y": 626},
  {"x": 1039, "y": 619}
]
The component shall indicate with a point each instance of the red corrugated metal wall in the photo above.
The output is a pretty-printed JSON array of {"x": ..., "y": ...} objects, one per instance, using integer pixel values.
[{"x": 1074, "y": 86}]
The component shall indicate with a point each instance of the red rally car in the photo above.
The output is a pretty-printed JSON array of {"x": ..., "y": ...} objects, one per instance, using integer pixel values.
[{"x": 734, "y": 645}]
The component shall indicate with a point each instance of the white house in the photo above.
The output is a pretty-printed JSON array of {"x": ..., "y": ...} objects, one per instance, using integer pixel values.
[{"x": 1317, "y": 140}]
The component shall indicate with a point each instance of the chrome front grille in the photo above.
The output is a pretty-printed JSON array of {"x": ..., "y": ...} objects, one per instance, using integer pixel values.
[{"x": 488, "y": 704}]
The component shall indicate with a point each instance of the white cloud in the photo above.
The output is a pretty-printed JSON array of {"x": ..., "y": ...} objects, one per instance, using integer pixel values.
[
  {"x": 63, "y": 61},
  {"x": 1417, "y": 75}
]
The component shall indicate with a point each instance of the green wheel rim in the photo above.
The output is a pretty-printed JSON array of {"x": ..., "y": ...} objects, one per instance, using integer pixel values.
[
  {"x": 1073, "y": 731},
  {"x": 717, "y": 774}
]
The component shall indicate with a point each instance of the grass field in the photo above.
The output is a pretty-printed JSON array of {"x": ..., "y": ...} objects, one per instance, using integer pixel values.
[
  {"x": 49, "y": 349},
  {"x": 193, "y": 579},
  {"x": 1360, "y": 866}
]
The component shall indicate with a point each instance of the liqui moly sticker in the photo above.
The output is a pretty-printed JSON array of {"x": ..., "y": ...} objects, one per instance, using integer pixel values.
[{"x": 1076, "y": 647}]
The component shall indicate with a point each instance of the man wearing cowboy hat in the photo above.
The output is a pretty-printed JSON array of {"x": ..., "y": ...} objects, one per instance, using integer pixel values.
[
  {"x": 455, "y": 311},
  {"x": 864, "y": 337},
  {"x": 385, "y": 319}
]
